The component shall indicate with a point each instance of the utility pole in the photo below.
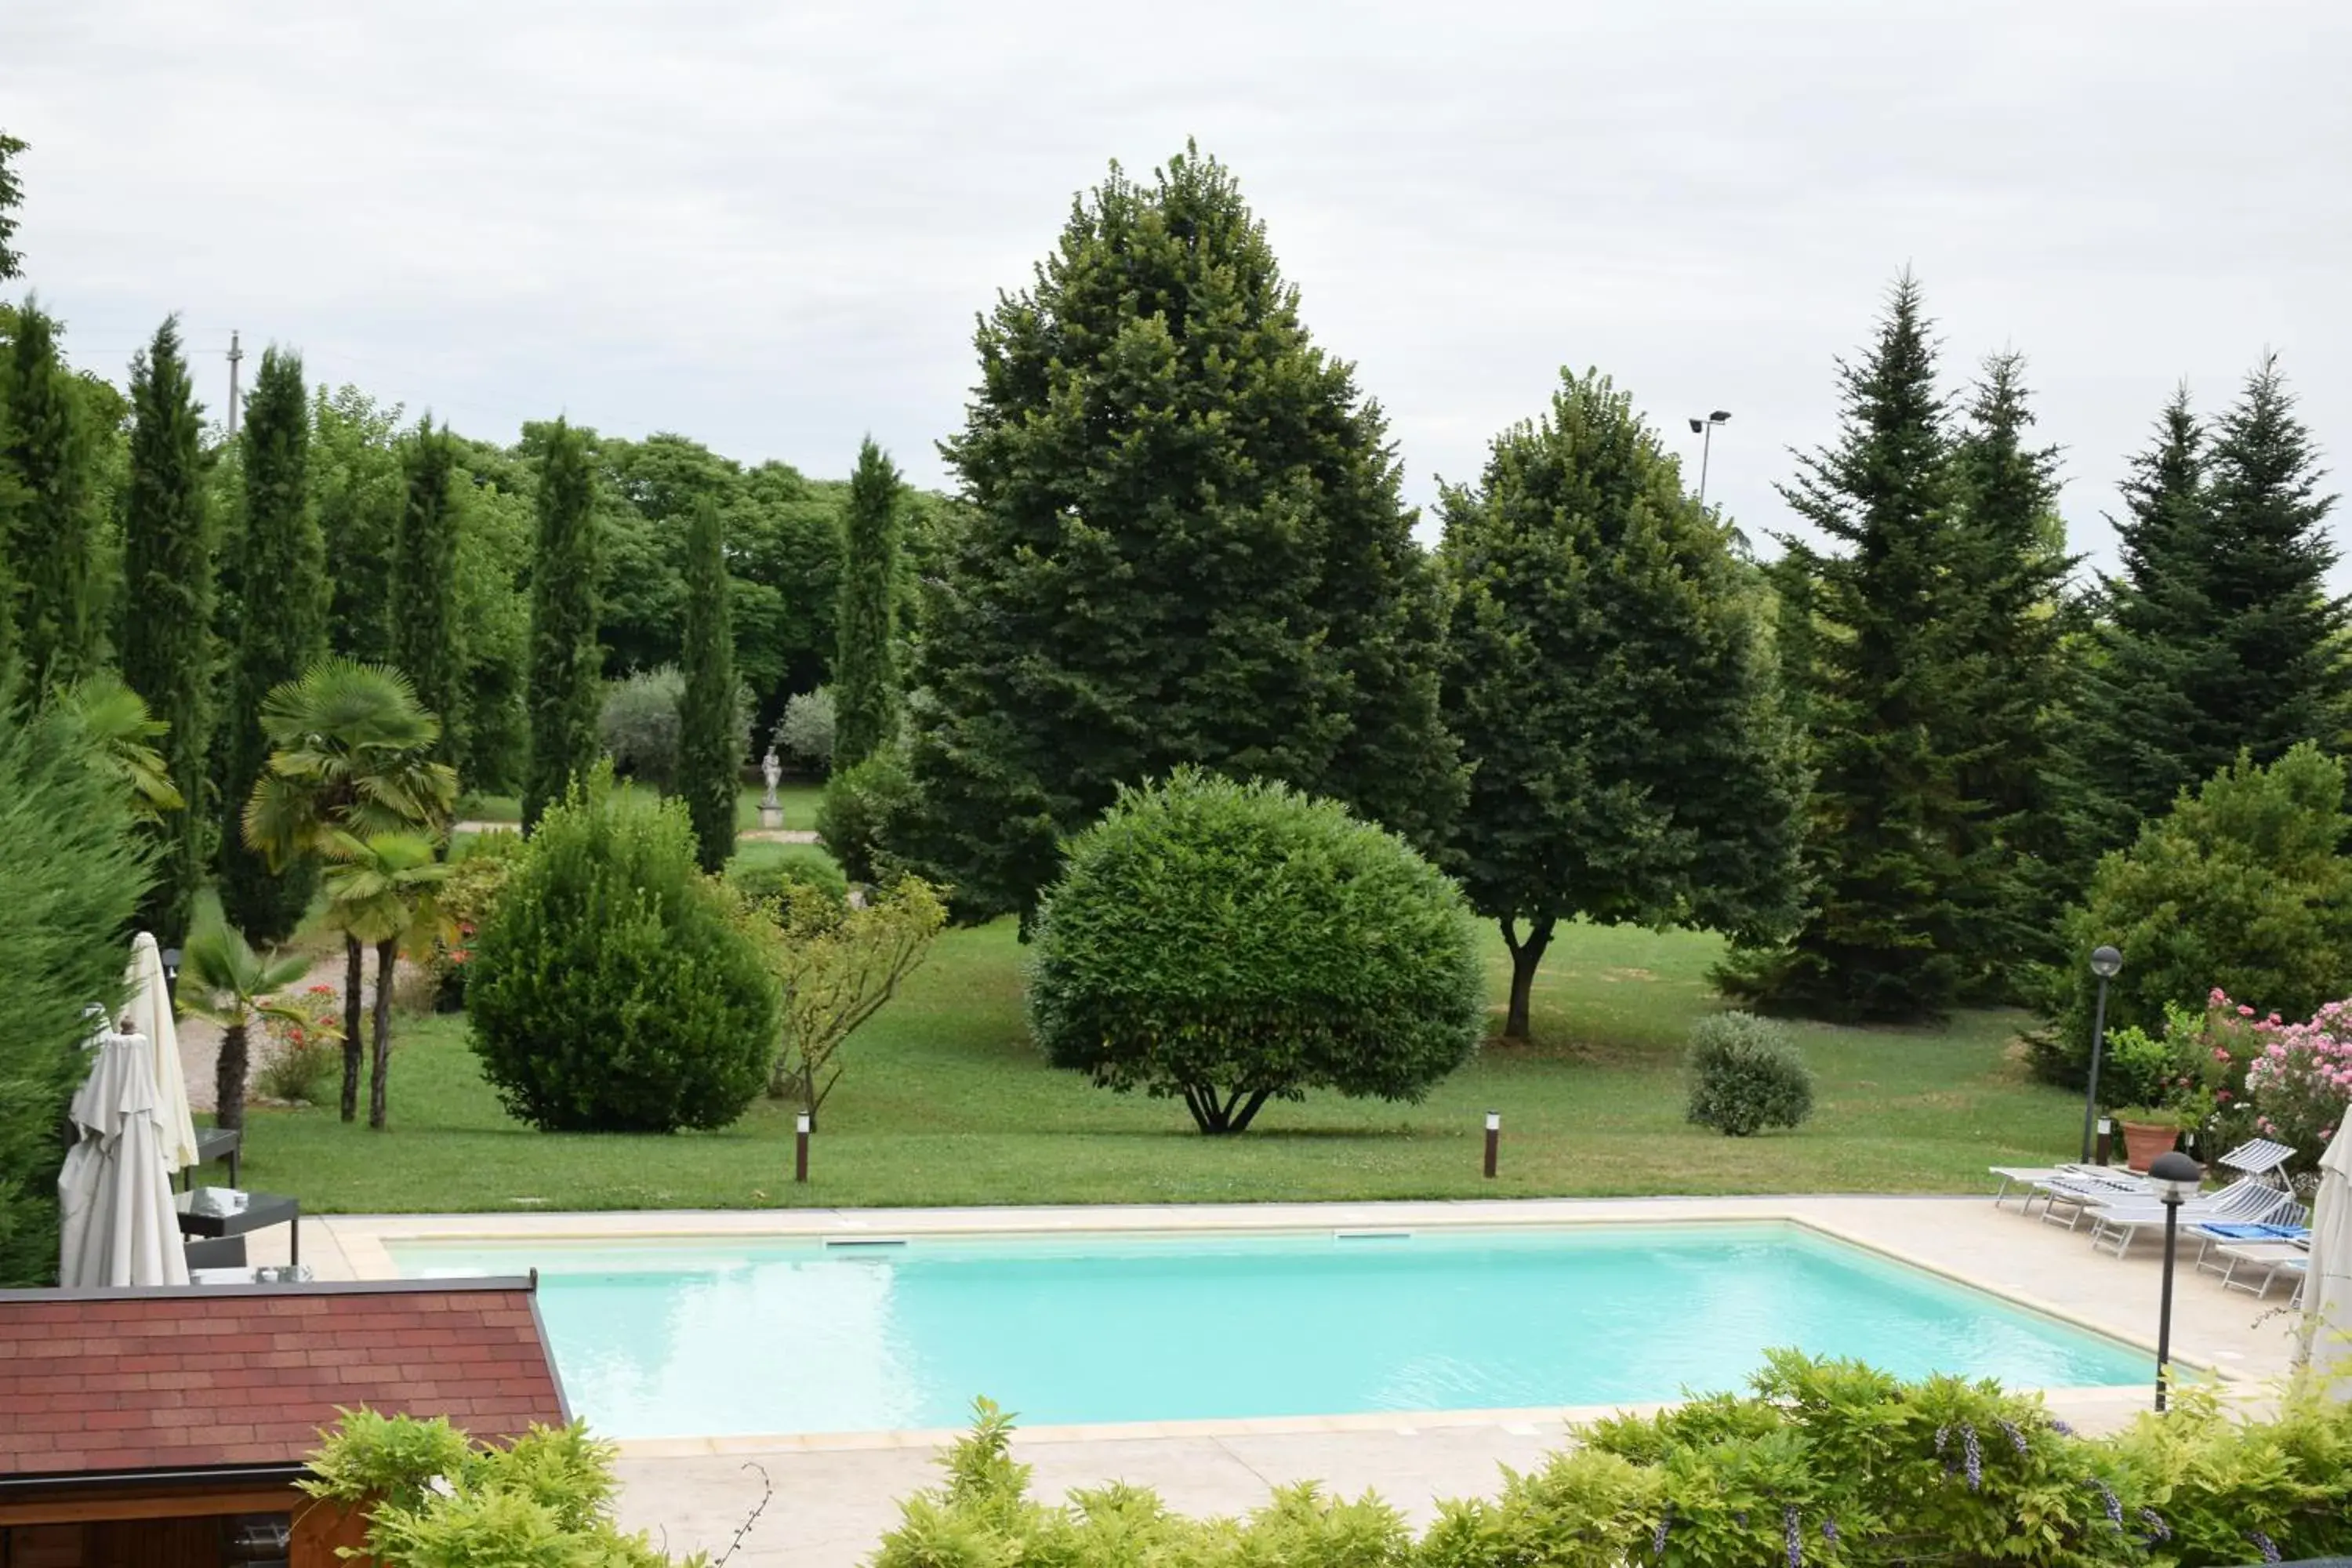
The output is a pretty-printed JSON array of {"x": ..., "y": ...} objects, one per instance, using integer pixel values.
[{"x": 236, "y": 353}]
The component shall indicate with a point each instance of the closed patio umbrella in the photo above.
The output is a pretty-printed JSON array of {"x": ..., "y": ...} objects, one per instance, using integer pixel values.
[
  {"x": 2327, "y": 1289},
  {"x": 120, "y": 1225},
  {"x": 150, "y": 1012}
]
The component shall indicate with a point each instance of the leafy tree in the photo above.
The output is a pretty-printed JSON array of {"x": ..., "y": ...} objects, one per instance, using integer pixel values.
[
  {"x": 607, "y": 932},
  {"x": 12, "y": 194},
  {"x": 2221, "y": 635},
  {"x": 496, "y": 506},
  {"x": 167, "y": 656},
  {"x": 2244, "y": 885},
  {"x": 2014, "y": 678},
  {"x": 380, "y": 892},
  {"x": 424, "y": 633},
  {"x": 353, "y": 756},
  {"x": 1230, "y": 943},
  {"x": 565, "y": 693},
  {"x": 359, "y": 491},
  {"x": 1886, "y": 936},
  {"x": 223, "y": 980},
  {"x": 865, "y": 671},
  {"x": 637, "y": 724},
  {"x": 1183, "y": 544},
  {"x": 837, "y": 967},
  {"x": 863, "y": 811},
  {"x": 710, "y": 737},
  {"x": 75, "y": 872},
  {"x": 1606, "y": 675},
  {"x": 48, "y": 544},
  {"x": 810, "y": 729},
  {"x": 281, "y": 547}
]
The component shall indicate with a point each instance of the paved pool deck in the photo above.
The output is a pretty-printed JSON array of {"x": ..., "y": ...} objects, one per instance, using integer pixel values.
[{"x": 836, "y": 1495}]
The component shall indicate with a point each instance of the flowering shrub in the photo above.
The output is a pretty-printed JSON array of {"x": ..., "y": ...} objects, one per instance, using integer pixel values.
[
  {"x": 305, "y": 1050},
  {"x": 2301, "y": 1077},
  {"x": 465, "y": 898}
]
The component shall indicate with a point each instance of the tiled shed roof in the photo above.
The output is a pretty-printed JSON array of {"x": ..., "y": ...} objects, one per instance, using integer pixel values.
[{"x": 125, "y": 1380}]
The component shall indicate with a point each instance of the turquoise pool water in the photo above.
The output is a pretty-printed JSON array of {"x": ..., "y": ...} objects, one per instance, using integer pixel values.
[{"x": 661, "y": 1339}]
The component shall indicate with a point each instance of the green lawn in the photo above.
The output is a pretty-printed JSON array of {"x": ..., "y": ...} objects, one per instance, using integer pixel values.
[
  {"x": 947, "y": 1102},
  {"x": 799, "y": 801}
]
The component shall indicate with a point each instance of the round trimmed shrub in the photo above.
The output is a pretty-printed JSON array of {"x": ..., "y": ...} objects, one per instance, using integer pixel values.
[
  {"x": 766, "y": 878},
  {"x": 615, "y": 988},
  {"x": 1230, "y": 943},
  {"x": 862, "y": 807},
  {"x": 1746, "y": 1075}
]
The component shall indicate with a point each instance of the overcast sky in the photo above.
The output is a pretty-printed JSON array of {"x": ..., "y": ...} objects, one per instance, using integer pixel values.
[{"x": 770, "y": 225}]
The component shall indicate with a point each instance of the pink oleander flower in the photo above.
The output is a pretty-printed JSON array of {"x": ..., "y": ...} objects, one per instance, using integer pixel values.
[
  {"x": 2244, "y": 1011},
  {"x": 2220, "y": 1053},
  {"x": 2222, "y": 1097}
]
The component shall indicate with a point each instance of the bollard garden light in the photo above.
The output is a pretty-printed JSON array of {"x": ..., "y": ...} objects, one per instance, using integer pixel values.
[
  {"x": 800, "y": 1148},
  {"x": 171, "y": 957},
  {"x": 2106, "y": 962},
  {"x": 1494, "y": 1140},
  {"x": 2175, "y": 1178}
]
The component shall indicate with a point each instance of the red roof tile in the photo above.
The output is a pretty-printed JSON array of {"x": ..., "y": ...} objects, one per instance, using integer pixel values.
[{"x": 123, "y": 1380}]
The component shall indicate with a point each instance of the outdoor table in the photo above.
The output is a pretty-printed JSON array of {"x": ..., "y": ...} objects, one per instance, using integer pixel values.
[{"x": 261, "y": 1211}]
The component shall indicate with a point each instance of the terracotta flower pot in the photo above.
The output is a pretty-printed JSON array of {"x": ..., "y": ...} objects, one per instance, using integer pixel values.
[{"x": 2142, "y": 1142}]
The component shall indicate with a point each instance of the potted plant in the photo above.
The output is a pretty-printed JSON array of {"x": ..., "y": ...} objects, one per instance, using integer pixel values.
[{"x": 2149, "y": 1131}]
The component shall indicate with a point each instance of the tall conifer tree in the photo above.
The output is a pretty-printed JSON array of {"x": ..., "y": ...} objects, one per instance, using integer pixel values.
[
  {"x": 1184, "y": 544},
  {"x": 865, "y": 663},
  {"x": 167, "y": 655},
  {"x": 283, "y": 630},
  {"x": 709, "y": 740},
  {"x": 565, "y": 656},
  {"x": 1886, "y": 937},
  {"x": 424, "y": 632},
  {"x": 2012, "y": 679},
  {"x": 1630, "y": 759},
  {"x": 47, "y": 506}
]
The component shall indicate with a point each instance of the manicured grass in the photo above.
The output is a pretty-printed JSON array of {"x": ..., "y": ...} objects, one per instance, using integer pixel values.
[
  {"x": 947, "y": 1101},
  {"x": 799, "y": 801}
]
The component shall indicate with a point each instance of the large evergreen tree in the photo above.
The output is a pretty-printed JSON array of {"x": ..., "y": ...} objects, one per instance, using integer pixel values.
[
  {"x": 865, "y": 663},
  {"x": 282, "y": 564},
  {"x": 11, "y": 192},
  {"x": 167, "y": 655},
  {"x": 2013, "y": 681},
  {"x": 1605, "y": 671},
  {"x": 565, "y": 658},
  {"x": 1183, "y": 544},
  {"x": 2220, "y": 635},
  {"x": 359, "y": 492},
  {"x": 47, "y": 505},
  {"x": 1886, "y": 935},
  {"x": 710, "y": 736},
  {"x": 425, "y": 631}
]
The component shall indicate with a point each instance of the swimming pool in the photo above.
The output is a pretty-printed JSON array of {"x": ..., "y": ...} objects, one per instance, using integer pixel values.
[{"x": 828, "y": 1335}]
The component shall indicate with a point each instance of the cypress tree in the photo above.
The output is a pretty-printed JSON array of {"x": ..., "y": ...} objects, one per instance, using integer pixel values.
[
  {"x": 1885, "y": 835},
  {"x": 49, "y": 542},
  {"x": 709, "y": 740},
  {"x": 2011, "y": 679},
  {"x": 282, "y": 564},
  {"x": 425, "y": 581},
  {"x": 1630, "y": 762},
  {"x": 11, "y": 192},
  {"x": 865, "y": 663},
  {"x": 167, "y": 656},
  {"x": 565, "y": 656},
  {"x": 1183, "y": 544}
]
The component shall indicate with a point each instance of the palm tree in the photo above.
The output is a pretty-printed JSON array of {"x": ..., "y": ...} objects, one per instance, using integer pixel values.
[
  {"x": 350, "y": 753},
  {"x": 380, "y": 890},
  {"x": 223, "y": 980},
  {"x": 121, "y": 735}
]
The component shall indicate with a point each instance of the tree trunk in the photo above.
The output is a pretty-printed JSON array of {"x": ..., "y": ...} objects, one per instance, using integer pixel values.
[
  {"x": 229, "y": 1080},
  {"x": 387, "y": 955},
  {"x": 355, "y": 983},
  {"x": 1524, "y": 958}
]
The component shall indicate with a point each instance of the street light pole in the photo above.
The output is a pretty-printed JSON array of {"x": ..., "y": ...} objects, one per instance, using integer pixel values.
[
  {"x": 1705, "y": 430},
  {"x": 2106, "y": 962},
  {"x": 2176, "y": 1178}
]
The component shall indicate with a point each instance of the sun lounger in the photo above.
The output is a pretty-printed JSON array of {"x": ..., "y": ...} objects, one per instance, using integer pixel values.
[
  {"x": 2213, "y": 1235},
  {"x": 2249, "y": 1200},
  {"x": 2268, "y": 1258},
  {"x": 2085, "y": 1186},
  {"x": 2259, "y": 1157}
]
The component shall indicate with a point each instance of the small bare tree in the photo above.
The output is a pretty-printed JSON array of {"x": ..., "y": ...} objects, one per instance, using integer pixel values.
[{"x": 838, "y": 965}]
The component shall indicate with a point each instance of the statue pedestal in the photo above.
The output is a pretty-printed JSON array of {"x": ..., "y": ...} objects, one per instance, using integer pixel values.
[{"x": 772, "y": 817}]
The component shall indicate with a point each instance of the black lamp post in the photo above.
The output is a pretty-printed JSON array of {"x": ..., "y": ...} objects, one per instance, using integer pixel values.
[
  {"x": 2106, "y": 962},
  {"x": 2176, "y": 1178},
  {"x": 1705, "y": 430}
]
